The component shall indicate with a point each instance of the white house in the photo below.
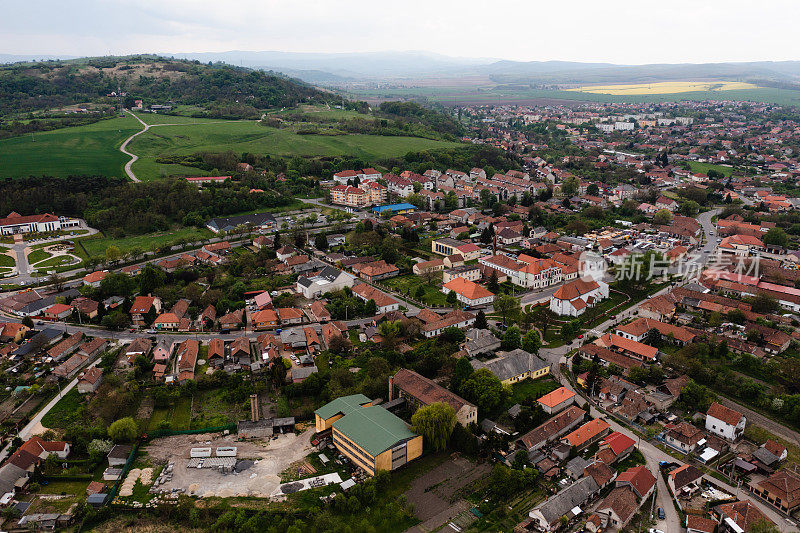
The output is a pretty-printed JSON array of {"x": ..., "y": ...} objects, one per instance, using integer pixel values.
[
  {"x": 329, "y": 279},
  {"x": 725, "y": 422},
  {"x": 572, "y": 299},
  {"x": 400, "y": 186}
]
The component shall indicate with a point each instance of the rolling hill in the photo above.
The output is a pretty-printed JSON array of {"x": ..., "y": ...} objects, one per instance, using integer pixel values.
[{"x": 217, "y": 90}]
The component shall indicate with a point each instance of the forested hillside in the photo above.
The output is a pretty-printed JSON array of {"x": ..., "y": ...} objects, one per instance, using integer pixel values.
[{"x": 216, "y": 90}]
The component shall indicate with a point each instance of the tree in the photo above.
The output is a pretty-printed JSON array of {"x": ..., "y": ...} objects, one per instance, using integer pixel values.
[
  {"x": 764, "y": 303},
  {"x": 531, "y": 342},
  {"x": 493, "y": 285},
  {"x": 123, "y": 430},
  {"x": 690, "y": 208},
  {"x": 484, "y": 390},
  {"x": 662, "y": 217},
  {"x": 776, "y": 237},
  {"x": 435, "y": 422},
  {"x": 763, "y": 526},
  {"x": 480, "y": 320},
  {"x": 321, "y": 242},
  {"x": 461, "y": 373},
  {"x": 507, "y": 306},
  {"x": 419, "y": 293},
  {"x": 696, "y": 397},
  {"x": 593, "y": 189},
  {"x": 151, "y": 278},
  {"x": 27, "y": 322},
  {"x": 570, "y": 186},
  {"x": 115, "y": 320},
  {"x": 452, "y": 298},
  {"x": 576, "y": 227},
  {"x": 113, "y": 254},
  {"x": 511, "y": 339}
]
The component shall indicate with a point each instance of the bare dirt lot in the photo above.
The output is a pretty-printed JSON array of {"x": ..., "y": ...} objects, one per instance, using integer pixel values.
[
  {"x": 435, "y": 494},
  {"x": 270, "y": 457}
]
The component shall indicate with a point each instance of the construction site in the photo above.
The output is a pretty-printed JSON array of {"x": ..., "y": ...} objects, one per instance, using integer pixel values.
[{"x": 224, "y": 465}]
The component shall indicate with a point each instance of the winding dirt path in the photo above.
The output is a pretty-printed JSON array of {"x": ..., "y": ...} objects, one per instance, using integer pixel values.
[{"x": 133, "y": 157}]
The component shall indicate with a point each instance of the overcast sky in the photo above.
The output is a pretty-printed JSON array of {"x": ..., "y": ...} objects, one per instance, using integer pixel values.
[{"x": 617, "y": 31}]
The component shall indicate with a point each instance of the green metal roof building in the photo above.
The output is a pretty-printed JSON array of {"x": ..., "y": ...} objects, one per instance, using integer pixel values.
[{"x": 369, "y": 435}]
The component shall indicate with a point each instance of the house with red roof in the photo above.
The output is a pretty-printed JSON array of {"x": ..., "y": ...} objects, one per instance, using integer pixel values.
[
  {"x": 264, "y": 319},
  {"x": 620, "y": 445},
  {"x": 468, "y": 292},
  {"x": 90, "y": 380},
  {"x": 94, "y": 279},
  {"x": 586, "y": 434},
  {"x": 557, "y": 401},
  {"x": 573, "y": 298},
  {"x": 57, "y": 312},
  {"x": 166, "y": 321},
  {"x": 143, "y": 308},
  {"x": 16, "y": 223},
  {"x": 725, "y": 422}
]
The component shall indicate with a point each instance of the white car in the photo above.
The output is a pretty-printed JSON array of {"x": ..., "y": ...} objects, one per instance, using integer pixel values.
[{"x": 654, "y": 530}]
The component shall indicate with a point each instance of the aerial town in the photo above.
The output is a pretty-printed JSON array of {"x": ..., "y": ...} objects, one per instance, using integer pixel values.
[{"x": 603, "y": 338}]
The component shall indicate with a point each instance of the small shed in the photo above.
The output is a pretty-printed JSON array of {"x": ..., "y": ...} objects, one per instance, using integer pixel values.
[{"x": 97, "y": 500}]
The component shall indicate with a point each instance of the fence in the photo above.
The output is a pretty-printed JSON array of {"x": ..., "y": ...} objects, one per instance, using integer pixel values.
[
  {"x": 115, "y": 489},
  {"x": 170, "y": 432},
  {"x": 156, "y": 434}
]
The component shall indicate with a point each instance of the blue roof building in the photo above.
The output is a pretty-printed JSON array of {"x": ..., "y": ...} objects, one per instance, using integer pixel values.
[{"x": 397, "y": 209}]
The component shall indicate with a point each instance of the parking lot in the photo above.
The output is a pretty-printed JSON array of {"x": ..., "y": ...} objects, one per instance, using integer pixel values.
[{"x": 261, "y": 462}]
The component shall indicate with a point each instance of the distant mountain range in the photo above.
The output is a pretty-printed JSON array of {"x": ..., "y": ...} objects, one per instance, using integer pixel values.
[
  {"x": 345, "y": 68},
  {"x": 325, "y": 68}
]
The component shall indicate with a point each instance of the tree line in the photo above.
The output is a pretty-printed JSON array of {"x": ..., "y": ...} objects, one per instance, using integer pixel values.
[{"x": 119, "y": 207}]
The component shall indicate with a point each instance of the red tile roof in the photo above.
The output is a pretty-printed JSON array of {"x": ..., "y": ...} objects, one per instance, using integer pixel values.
[{"x": 726, "y": 414}]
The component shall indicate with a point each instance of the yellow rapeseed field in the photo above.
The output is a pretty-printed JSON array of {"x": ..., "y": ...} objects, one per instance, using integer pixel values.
[{"x": 666, "y": 87}]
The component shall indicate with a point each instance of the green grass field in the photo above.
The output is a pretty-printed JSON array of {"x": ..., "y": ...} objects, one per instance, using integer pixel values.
[
  {"x": 38, "y": 255},
  {"x": 56, "y": 261},
  {"x": 63, "y": 413},
  {"x": 407, "y": 285},
  {"x": 252, "y": 137},
  {"x": 94, "y": 149},
  {"x": 531, "y": 389},
  {"x": 96, "y": 244},
  {"x": 7, "y": 261},
  {"x": 703, "y": 168},
  {"x": 91, "y": 149}
]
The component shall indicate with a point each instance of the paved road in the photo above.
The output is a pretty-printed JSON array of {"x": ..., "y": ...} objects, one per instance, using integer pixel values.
[
  {"x": 28, "y": 431},
  {"x": 651, "y": 453},
  {"x": 23, "y": 266}
]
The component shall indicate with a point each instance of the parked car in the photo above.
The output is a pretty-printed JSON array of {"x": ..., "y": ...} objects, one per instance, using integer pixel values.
[{"x": 661, "y": 515}]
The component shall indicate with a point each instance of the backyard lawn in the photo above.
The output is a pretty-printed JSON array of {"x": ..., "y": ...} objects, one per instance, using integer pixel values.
[
  {"x": 531, "y": 389},
  {"x": 407, "y": 285},
  {"x": 63, "y": 413}
]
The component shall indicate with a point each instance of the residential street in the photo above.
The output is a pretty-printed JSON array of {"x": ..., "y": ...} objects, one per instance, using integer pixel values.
[
  {"x": 556, "y": 356},
  {"x": 29, "y": 430}
]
